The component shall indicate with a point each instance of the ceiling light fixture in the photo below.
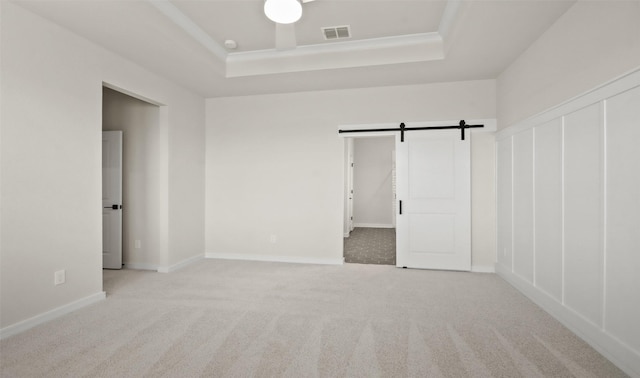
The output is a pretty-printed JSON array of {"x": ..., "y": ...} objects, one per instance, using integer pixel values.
[{"x": 283, "y": 11}]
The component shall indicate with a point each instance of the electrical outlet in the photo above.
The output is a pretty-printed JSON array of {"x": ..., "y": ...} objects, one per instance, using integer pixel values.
[
  {"x": 273, "y": 238},
  {"x": 59, "y": 277},
  {"x": 137, "y": 244}
]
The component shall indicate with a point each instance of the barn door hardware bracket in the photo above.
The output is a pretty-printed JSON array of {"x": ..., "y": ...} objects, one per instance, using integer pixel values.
[{"x": 403, "y": 128}]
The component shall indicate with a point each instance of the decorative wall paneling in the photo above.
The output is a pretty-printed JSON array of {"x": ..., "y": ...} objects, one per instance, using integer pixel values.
[{"x": 568, "y": 198}]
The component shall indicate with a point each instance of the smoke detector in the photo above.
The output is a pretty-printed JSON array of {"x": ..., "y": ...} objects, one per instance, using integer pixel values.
[{"x": 230, "y": 44}]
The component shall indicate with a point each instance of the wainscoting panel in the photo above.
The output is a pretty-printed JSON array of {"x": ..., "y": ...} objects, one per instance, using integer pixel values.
[
  {"x": 548, "y": 208},
  {"x": 622, "y": 312},
  {"x": 523, "y": 204},
  {"x": 568, "y": 197},
  {"x": 583, "y": 268},
  {"x": 504, "y": 190}
]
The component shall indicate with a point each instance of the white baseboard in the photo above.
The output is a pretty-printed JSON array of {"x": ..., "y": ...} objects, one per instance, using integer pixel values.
[
  {"x": 374, "y": 225},
  {"x": 483, "y": 269},
  {"x": 270, "y": 258},
  {"x": 609, "y": 346},
  {"x": 50, "y": 315},
  {"x": 140, "y": 266},
  {"x": 180, "y": 265},
  {"x": 346, "y": 234}
]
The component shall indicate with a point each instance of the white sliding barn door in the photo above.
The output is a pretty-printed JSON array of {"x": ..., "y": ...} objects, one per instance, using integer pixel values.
[
  {"x": 112, "y": 199},
  {"x": 433, "y": 226}
]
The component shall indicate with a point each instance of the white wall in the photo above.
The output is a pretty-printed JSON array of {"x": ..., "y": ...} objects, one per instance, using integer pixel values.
[
  {"x": 373, "y": 192},
  {"x": 592, "y": 43},
  {"x": 140, "y": 123},
  {"x": 278, "y": 168},
  {"x": 51, "y": 165},
  {"x": 567, "y": 181}
]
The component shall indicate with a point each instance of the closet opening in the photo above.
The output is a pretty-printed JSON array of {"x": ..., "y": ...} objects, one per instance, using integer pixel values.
[{"x": 370, "y": 205}]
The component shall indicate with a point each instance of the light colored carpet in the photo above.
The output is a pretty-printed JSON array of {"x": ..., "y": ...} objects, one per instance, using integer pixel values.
[
  {"x": 237, "y": 319},
  {"x": 371, "y": 246}
]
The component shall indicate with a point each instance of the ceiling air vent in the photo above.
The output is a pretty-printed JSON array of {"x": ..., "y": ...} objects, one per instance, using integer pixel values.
[{"x": 336, "y": 32}]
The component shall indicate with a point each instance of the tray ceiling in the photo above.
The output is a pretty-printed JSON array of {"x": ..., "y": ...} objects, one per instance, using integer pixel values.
[{"x": 395, "y": 42}]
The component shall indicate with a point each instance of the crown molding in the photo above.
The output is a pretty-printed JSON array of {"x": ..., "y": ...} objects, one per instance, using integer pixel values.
[{"x": 367, "y": 52}]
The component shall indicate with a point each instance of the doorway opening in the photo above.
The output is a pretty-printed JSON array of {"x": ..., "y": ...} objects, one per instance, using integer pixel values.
[
  {"x": 370, "y": 210},
  {"x": 138, "y": 122}
]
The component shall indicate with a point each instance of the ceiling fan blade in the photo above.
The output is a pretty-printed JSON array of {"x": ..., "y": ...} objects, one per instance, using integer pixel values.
[
  {"x": 307, "y": 1},
  {"x": 285, "y": 36}
]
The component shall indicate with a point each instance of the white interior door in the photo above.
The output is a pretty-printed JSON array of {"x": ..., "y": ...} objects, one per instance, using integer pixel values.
[
  {"x": 112, "y": 199},
  {"x": 433, "y": 226},
  {"x": 350, "y": 194}
]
